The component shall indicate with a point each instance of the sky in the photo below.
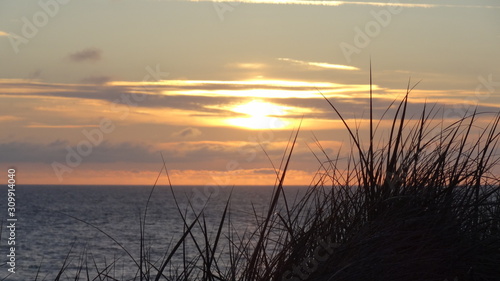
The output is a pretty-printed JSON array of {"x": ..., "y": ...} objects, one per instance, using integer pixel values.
[{"x": 107, "y": 91}]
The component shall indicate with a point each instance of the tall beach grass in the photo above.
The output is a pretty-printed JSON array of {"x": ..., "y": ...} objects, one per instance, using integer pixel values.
[{"x": 419, "y": 201}]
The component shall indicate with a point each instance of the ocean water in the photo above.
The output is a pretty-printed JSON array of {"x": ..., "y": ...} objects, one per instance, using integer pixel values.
[{"x": 67, "y": 226}]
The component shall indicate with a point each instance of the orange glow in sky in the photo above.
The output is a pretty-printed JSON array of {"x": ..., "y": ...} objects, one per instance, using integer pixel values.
[{"x": 217, "y": 89}]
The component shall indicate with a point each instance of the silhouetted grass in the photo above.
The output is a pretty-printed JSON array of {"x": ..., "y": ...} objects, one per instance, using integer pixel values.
[
  {"x": 419, "y": 205},
  {"x": 416, "y": 207}
]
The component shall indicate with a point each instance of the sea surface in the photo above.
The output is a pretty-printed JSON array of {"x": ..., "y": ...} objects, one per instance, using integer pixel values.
[{"x": 95, "y": 226}]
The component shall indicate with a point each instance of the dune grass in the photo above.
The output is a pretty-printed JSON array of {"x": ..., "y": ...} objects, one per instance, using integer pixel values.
[{"x": 421, "y": 204}]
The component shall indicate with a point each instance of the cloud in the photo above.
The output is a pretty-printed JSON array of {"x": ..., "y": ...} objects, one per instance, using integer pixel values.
[
  {"x": 249, "y": 65},
  {"x": 16, "y": 152},
  {"x": 265, "y": 171},
  {"x": 199, "y": 96},
  {"x": 257, "y": 88},
  {"x": 217, "y": 98},
  {"x": 96, "y": 80},
  {"x": 9, "y": 118},
  {"x": 371, "y": 3},
  {"x": 320, "y": 64},
  {"x": 211, "y": 103},
  {"x": 178, "y": 155},
  {"x": 36, "y": 74},
  {"x": 58, "y": 150},
  {"x": 187, "y": 133},
  {"x": 89, "y": 54},
  {"x": 37, "y": 125}
]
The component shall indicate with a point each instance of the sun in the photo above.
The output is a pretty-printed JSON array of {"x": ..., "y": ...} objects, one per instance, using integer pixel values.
[
  {"x": 260, "y": 115},
  {"x": 257, "y": 109}
]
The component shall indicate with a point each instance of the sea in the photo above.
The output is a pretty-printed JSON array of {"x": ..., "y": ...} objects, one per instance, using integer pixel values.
[{"x": 73, "y": 230}]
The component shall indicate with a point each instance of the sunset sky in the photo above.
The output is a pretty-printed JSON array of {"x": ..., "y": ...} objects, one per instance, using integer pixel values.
[{"x": 95, "y": 92}]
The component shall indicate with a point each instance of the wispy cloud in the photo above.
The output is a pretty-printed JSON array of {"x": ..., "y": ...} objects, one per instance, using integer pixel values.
[
  {"x": 8, "y": 118},
  {"x": 89, "y": 54},
  {"x": 187, "y": 133},
  {"x": 97, "y": 80},
  {"x": 199, "y": 103},
  {"x": 373, "y": 3},
  {"x": 320, "y": 64},
  {"x": 256, "y": 88},
  {"x": 106, "y": 152},
  {"x": 247, "y": 65},
  {"x": 36, "y": 125}
]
